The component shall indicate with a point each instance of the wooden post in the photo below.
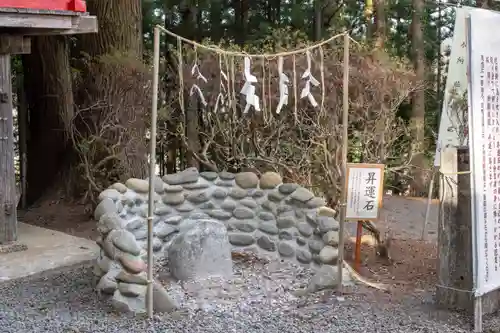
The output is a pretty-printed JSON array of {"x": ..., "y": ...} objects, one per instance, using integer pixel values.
[
  {"x": 345, "y": 142},
  {"x": 357, "y": 251},
  {"x": 9, "y": 44},
  {"x": 8, "y": 214},
  {"x": 455, "y": 265}
]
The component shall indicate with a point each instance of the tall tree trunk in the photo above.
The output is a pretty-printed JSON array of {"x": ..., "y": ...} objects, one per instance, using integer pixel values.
[
  {"x": 380, "y": 24},
  {"x": 418, "y": 102},
  {"x": 119, "y": 36},
  {"x": 48, "y": 85},
  {"x": 317, "y": 20},
  {"x": 380, "y": 37},
  {"x": 190, "y": 31},
  {"x": 215, "y": 20},
  {"x": 173, "y": 143},
  {"x": 120, "y": 27}
]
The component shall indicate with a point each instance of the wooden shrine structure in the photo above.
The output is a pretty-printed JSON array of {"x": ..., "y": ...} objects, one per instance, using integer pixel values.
[{"x": 20, "y": 19}]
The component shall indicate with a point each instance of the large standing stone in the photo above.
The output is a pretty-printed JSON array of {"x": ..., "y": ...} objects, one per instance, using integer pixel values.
[
  {"x": 247, "y": 180},
  {"x": 201, "y": 251},
  {"x": 270, "y": 180},
  {"x": 187, "y": 176}
]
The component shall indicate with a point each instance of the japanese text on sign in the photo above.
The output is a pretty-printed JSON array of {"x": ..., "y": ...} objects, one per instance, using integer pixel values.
[
  {"x": 485, "y": 149},
  {"x": 364, "y": 191}
]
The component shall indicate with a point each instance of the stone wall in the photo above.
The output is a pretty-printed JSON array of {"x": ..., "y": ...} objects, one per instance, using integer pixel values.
[{"x": 273, "y": 219}]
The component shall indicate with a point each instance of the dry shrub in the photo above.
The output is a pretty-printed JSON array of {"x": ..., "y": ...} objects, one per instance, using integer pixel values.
[
  {"x": 304, "y": 143},
  {"x": 109, "y": 129}
]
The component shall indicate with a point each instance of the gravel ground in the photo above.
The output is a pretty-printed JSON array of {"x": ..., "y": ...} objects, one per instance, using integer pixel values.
[{"x": 259, "y": 299}]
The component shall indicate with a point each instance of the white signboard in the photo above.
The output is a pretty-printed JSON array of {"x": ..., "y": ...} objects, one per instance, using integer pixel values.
[
  {"x": 453, "y": 125},
  {"x": 365, "y": 189},
  {"x": 484, "y": 122}
]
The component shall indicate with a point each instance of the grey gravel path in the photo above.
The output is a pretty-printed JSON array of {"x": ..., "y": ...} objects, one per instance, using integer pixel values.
[{"x": 65, "y": 301}]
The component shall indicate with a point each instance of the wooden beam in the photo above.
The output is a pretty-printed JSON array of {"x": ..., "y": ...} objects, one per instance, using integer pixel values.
[
  {"x": 34, "y": 21},
  {"x": 61, "y": 5},
  {"x": 14, "y": 44},
  {"x": 82, "y": 25},
  {"x": 8, "y": 213}
]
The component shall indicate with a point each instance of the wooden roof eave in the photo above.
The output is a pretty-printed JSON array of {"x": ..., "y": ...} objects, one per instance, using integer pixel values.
[{"x": 29, "y": 22}]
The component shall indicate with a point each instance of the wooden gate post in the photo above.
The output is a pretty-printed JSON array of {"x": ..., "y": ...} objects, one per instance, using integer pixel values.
[{"x": 8, "y": 198}]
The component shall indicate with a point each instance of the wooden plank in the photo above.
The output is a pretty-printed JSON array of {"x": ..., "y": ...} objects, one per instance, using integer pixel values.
[
  {"x": 8, "y": 213},
  {"x": 14, "y": 44},
  {"x": 73, "y": 5},
  {"x": 32, "y": 21},
  {"x": 82, "y": 25}
]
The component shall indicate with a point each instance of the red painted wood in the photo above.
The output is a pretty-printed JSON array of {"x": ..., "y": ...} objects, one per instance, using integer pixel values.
[{"x": 72, "y": 5}]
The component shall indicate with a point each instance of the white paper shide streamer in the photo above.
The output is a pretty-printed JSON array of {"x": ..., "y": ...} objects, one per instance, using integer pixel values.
[
  {"x": 195, "y": 72},
  {"x": 249, "y": 89},
  {"x": 221, "y": 101},
  {"x": 310, "y": 80},
  {"x": 283, "y": 86}
]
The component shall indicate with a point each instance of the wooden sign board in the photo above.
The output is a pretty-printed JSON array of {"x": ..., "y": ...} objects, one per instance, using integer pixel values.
[{"x": 365, "y": 191}]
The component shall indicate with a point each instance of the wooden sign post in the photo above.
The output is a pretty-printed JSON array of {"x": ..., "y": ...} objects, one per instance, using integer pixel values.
[{"x": 365, "y": 191}]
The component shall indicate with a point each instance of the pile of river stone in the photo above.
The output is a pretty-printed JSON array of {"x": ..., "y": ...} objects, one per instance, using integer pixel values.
[{"x": 198, "y": 219}]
